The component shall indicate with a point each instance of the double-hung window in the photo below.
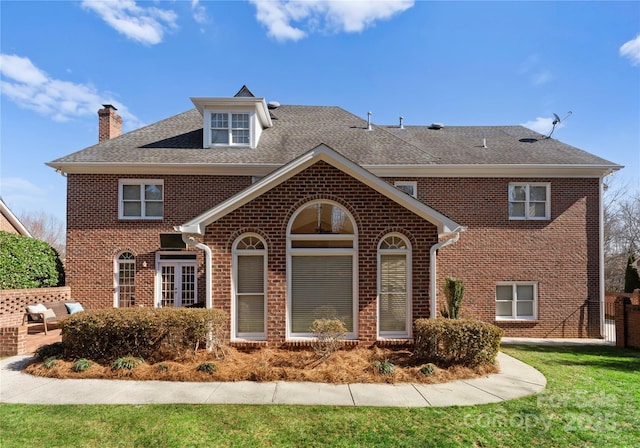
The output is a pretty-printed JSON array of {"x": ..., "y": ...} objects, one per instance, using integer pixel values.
[
  {"x": 141, "y": 199},
  {"x": 394, "y": 286},
  {"x": 516, "y": 300},
  {"x": 249, "y": 286},
  {"x": 230, "y": 128},
  {"x": 529, "y": 201}
]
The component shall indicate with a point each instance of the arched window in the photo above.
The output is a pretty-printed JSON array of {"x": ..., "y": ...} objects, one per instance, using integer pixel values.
[
  {"x": 249, "y": 287},
  {"x": 125, "y": 277},
  {"x": 394, "y": 287},
  {"x": 321, "y": 268}
]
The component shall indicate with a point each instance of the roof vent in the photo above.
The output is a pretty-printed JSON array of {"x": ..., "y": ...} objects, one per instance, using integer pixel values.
[
  {"x": 436, "y": 126},
  {"x": 368, "y": 121},
  {"x": 273, "y": 104},
  {"x": 401, "y": 125}
]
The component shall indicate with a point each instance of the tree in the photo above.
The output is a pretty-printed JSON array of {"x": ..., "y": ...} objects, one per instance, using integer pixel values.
[
  {"x": 48, "y": 228},
  {"x": 28, "y": 263},
  {"x": 621, "y": 232},
  {"x": 631, "y": 277}
]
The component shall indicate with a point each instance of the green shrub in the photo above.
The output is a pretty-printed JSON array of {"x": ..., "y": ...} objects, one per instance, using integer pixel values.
[
  {"x": 155, "y": 334},
  {"x": 28, "y": 263},
  {"x": 46, "y": 351},
  {"x": 81, "y": 365},
  {"x": 50, "y": 362},
  {"x": 162, "y": 368},
  {"x": 467, "y": 342},
  {"x": 428, "y": 369},
  {"x": 126, "y": 363},
  {"x": 454, "y": 292},
  {"x": 207, "y": 367},
  {"x": 329, "y": 334},
  {"x": 385, "y": 367}
]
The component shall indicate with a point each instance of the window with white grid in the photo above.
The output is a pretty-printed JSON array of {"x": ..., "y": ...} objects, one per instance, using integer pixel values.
[
  {"x": 141, "y": 199},
  {"x": 125, "y": 280},
  {"x": 249, "y": 286},
  {"x": 394, "y": 279},
  {"x": 230, "y": 128},
  {"x": 529, "y": 201},
  {"x": 516, "y": 300}
]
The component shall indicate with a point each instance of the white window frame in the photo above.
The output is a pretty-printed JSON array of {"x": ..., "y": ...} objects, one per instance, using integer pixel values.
[
  {"x": 408, "y": 254},
  {"x": 352, "y": 251},
  {"x": 116, "y": 276},
  {"x": 405, "y": 183},
  {"x": 234, "y": 282},
  {"x": 178, "y": 259},
  {"x": 547, "y": 209},
  {"x": 207, "y": 128},
  {"x": 141, "y": 183},
  {"x": 514, "y": 302}
]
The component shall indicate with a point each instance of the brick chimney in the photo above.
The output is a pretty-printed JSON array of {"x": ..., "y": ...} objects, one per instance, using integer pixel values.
[{"x": 109, "y": 123}]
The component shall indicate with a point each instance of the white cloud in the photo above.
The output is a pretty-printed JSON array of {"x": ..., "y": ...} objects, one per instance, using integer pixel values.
[
  {"x": 12, "y": 185},
  {"x": 531, "y": 67},
  {"x": 146, "y": 25},
  {"x": 541, "y": 125},
  {"x": 199, "y": 12},
  {"x": 631, "y": 50},
  {"x": 31, "y": 88},
  {"x": 293, "y": 19}
]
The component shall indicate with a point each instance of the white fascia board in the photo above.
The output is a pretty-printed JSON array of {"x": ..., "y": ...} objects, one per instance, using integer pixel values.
[
  {"x": 259, "y": 104},
  {"x": 13, "y": 219},
  {"x": 493, "y": 170},
  {"x": 235, "y": 169},
  {"x": 328, "y": 155}
]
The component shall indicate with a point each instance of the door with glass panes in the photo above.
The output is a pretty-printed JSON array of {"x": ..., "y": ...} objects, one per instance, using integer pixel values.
[{"x": 178, "y": 282}]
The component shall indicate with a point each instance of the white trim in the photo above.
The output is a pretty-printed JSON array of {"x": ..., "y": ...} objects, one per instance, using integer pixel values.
[
  {"x": 116, "y": 275},
  {"x": 143, "y": 201},
  {"x": 179, "y": 262},
  {"x": 353, "y": 252},
  {"x": 328, "y": 155},
  {"x": 234, "y": 281},
  {"x": 13, "y": 220},
  {"x": 547, "y": 206},
  {"x": 257, "y": 104},
  {"x": 262, "y": 169},
  {"x": 408, "y": 253},
  {"x": 404, "y": 183},
  {"x": 514, "y": 301}
]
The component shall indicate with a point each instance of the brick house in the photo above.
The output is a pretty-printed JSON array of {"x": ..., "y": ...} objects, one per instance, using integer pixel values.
[{"x": 281, "y": 214}]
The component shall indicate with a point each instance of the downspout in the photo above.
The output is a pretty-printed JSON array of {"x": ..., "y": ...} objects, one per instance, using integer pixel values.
[
  {"x": 191, "y": 241},
  {"x": 433, "y": 269},
  {"x": 601, "y": 251}
]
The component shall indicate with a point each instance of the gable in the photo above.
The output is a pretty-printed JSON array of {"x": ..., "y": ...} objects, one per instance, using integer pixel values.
[{"x": 325, "y": 154}]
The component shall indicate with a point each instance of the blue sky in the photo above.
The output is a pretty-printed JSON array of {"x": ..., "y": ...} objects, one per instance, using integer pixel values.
[{"x": 458, "y": 63}]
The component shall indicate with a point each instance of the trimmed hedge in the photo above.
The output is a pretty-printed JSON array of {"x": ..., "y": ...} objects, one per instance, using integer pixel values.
[
  {"x": 467, "y": 342},
  {"x": 28, "y": 263},
  {"x": 155, "y": 334}
]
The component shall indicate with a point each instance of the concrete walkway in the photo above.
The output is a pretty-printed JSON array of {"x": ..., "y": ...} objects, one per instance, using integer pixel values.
[{"x": 516, "y": 379}]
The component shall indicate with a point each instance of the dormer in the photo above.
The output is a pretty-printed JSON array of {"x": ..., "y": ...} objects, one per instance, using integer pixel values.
[{"x": 233, "y": 122}]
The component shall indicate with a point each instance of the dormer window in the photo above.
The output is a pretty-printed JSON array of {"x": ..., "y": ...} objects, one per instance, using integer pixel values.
[
  {"x": 237, "y": 121},
  {"x": 239, "y": 133}
]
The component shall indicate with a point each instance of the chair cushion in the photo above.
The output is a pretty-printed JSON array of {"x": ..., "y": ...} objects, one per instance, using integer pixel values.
[
  {"x": 34, "y": 309},
  {"x": 74, "y": 307},
  {"x": 49, "y": 314}
]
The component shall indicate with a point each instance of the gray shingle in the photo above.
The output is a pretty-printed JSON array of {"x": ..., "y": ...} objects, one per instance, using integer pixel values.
[{"x": 297, "y": 129}]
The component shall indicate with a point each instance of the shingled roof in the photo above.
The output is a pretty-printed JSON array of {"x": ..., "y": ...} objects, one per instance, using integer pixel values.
[{"x": 177, "y": 141}]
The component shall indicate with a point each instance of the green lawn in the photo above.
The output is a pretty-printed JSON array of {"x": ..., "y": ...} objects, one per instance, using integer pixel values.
[{"x": 592, "y": 399}]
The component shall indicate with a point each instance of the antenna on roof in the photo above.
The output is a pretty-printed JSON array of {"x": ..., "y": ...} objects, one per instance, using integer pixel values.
[{"x": 557, "y": 121}]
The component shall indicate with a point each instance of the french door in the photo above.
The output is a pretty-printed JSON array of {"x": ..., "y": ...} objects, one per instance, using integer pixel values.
[{"x": 177, "y": 283}]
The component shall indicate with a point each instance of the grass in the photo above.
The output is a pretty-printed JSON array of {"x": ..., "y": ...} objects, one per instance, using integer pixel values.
[{"x": 592, "y": 400}]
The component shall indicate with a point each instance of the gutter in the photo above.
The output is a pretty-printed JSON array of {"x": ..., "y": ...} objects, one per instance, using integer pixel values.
[
  {"x": 191, "y": 241},
  {"x": 433, "y": 269},
  {"x": 601, "y": 252}
]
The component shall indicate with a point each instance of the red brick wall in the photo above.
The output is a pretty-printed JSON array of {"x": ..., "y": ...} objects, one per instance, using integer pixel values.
[
  {"x": 95, "y": 235},
  {"x": 13, "y": 302},
  {"x": 633, "y": 325},
  {"x": 375, "y": 216},
  {"x": 560, "y": 254},
  {"x": 13, "y": 340}
]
